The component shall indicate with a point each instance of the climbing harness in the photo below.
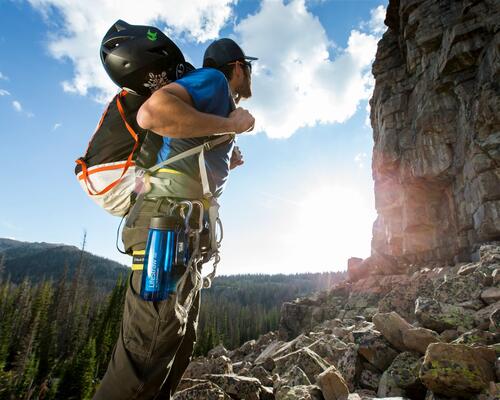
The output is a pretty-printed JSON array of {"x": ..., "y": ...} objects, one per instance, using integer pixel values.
[{"x": 186, "y": 196}]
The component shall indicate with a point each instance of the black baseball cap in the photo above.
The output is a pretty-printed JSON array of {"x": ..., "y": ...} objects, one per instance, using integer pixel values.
[{"x": 223, "y": 51}]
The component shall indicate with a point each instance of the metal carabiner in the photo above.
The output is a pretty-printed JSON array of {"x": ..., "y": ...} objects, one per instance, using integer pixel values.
[
  {"x": 187, "y": 216},
  {"x": 201, "y": 215}
]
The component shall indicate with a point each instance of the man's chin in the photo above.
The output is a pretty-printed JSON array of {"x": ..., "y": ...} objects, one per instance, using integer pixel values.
[{"x": 245, "y": 96}]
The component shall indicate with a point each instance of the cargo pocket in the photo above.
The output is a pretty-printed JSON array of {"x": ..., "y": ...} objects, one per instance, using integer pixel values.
[{"x": 144, "y": 332}]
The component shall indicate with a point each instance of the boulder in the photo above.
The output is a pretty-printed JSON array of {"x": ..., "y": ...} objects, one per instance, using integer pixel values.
[
  {"x": 369, "y": 378},
  {"x": 449, "y": 335},
  {"x": 388, "y": 387},
  {"x": 392, "y": 327},
  {"x": 293, "y": 377},
  {"x": 332, "y": 384},
  {"x": 402, "y": 297},
  {"x": 201, "y": 366},
  {"x": 218, "y": 351},
  {"x": 349, "y": 365},
  {"x": 418, "y": 339},
  {"x": 404, "y": 374},
  {"x": 491, "y": 295},
  {"x": 495, "y": 321},
  {"x": 374, "y": 348},
  {"x": 329, "y": 347},
  {"x": 467, "y": 269},
  {"x": 474, "y": 305},
  {"x": 460, "y": 288},
  {"x": 241, "y": 366},
  {"x": 309, "y": 392},
  {"x": 440, "y": 316},
  {"x": 269, "y": 351},
  {"x": 482, "y": 317},
  {"x": 267, "y": 393},
  {"x": 495, "y": 275},
  {"x": 457, "y": 370},
  {"x": 238, "y": 387},
  {"x": 245, "y": 352},
  {"x": 477, "y": 337},
  {"x": 187, "y": 383},
  {"x": 260, "y": 373},
  {"x": 489, "y": 253},
  {"x": 305, "y": 359},
  {"x": 205, "y": 391}
]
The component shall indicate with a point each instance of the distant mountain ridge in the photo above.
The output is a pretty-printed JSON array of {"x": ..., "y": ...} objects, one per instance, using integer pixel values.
[{"x": 37, "y": 261}]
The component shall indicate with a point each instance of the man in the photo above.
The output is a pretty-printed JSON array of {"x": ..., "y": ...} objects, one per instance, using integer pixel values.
[{"x": 151, "y": 354}]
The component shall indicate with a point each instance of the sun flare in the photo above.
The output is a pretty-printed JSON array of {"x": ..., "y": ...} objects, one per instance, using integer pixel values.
[{"x": 332, "y": 223}]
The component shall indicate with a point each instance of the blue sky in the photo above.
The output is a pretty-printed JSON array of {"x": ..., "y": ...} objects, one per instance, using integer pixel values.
[{"x": 302, "y": 202}]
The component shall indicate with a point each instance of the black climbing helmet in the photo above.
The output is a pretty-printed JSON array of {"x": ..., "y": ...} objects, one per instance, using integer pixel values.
[
  {"x": 223, "y": 51},
  {"x": 141, "y": 58}
]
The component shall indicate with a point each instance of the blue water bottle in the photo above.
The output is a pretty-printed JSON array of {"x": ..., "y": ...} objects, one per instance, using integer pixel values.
[{"x": 158, "y": 276}]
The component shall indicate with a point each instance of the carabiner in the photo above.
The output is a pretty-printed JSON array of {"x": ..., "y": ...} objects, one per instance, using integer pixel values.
[{"x": 187, "y": 216}]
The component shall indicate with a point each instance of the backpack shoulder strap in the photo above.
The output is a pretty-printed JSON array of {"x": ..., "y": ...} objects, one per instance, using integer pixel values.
[{"x": 209, "y": 145}]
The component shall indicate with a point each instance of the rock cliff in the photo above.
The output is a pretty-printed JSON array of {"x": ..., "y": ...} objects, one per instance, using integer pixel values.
[
  {"x": 436, "y": 123},
  {"x": 420, "y": 318}
]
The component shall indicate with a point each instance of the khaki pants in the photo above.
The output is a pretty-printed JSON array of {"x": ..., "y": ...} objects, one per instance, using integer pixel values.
[{"x": 150, "y": 355}]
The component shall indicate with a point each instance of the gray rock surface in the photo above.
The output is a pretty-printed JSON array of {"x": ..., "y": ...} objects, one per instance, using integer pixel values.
[
  {"x": 417, "y": 339},
  {"x": 392, "y": 327},
  {"x": 205, "y": 391},
  {"x": 305, "y": 359},
  {"x": 332, "y": 384},
  {"x": 440, "y": 316},
  {"x": 435, "y": 116},
  {"x": 457, "y": 370}
]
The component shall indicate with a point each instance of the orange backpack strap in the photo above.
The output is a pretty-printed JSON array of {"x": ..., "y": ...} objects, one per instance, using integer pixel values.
[{"x": 128, "y": 163}]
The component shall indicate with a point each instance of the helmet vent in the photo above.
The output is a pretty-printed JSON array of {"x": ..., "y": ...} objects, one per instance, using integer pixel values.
[
  {"x": 160, "y": 51},
  {"x": 115, "y": 42}
]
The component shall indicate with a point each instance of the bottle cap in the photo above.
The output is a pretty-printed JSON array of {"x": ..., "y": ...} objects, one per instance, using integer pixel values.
[{"x": 164, "y": 223}]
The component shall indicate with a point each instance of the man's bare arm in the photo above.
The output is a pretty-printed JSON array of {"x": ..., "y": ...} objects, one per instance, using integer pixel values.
[{"x": 170, "y": 112}]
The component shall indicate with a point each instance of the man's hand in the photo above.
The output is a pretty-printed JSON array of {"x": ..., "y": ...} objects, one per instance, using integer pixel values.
[
  {"x": 236, "y": 158},
  {"x": 241, "y": 120}
]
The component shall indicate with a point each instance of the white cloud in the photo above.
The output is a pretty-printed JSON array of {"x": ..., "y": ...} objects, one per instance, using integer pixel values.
[
  {"x": 85, "y": 23},
  {"x": 296, "y": 83},
  {"x": 376, "y": 23},
  {"x": 17, "y": 106},
  {"x": 2, "y": 76},
  {"x": 57, "y": 125},
  {"x": 4, "y": 92}
]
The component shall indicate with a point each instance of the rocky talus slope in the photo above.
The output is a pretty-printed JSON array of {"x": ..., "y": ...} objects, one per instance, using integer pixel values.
[
  {"x": 428, "y": 333},
  {"x": 436, "y": 125}
]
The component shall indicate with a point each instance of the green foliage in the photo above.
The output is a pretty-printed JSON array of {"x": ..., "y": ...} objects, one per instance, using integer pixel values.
[{"x": 56, "y": 338}]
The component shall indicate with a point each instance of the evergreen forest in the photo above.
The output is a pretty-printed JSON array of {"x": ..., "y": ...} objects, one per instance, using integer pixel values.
[{"x": 57, "y": 336}]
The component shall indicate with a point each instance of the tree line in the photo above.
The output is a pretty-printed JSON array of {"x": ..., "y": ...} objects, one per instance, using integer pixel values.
[{"x": 56, "y": 337}]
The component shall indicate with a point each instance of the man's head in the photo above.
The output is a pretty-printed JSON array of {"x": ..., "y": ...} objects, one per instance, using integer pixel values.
[{"x": 225, "y": 55}]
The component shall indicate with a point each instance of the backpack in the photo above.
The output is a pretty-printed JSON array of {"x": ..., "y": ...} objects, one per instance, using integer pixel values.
[{"x": 107, "y": 171}]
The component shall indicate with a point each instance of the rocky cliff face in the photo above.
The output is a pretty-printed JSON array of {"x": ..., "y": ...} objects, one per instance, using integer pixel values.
[
  {"x": 436, "y": 121},
  {"x": 417, "y": 319}
]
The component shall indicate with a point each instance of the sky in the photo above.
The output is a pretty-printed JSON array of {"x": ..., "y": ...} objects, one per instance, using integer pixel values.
[{"x": 302, "y": 202}]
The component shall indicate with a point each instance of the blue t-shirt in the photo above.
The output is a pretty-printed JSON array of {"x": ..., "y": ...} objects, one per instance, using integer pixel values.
[{"x": 210, "y": 93}]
